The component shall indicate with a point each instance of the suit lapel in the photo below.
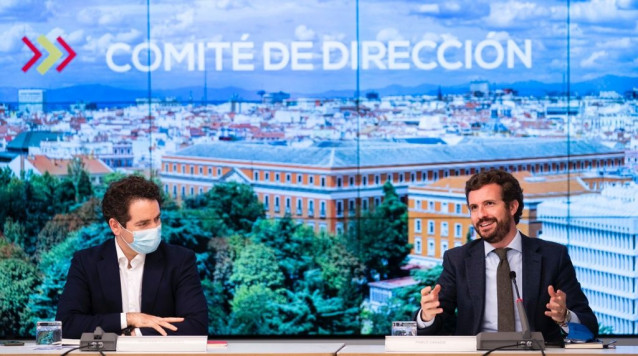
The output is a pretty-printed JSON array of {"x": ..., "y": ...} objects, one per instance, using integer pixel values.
[
  {"x": 153, "y": 271},
  {"x": 475, "y": 271},
  {"x": 108, "y": 272},
  {"x": 532, "y": 268}
]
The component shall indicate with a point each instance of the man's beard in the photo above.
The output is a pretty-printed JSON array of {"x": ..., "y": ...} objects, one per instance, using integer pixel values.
[{"x": 499, "y": 233}]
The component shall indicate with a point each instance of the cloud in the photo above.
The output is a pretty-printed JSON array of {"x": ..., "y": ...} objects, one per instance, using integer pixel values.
[
  {"x": 11, "y": 40},
  {"x": 619, "y": 43},
  {"x": 515, "y": 13},
  {"x": 452, "y": 9},
  {"x": 389, "y": 34},
  {"x": 627, "y": 4},
  {"x": 303, "y": 33},
  {"x": 591, "y": 61},
  {"x": 21, "y": 10},
  {"x": 498, "y": 36},
  {"x": 100, "y": 16},
  {"x": 174, "y": 25}
]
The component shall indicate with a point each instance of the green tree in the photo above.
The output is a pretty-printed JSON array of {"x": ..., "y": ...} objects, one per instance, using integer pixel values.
[
  {"x": 53, "y": 266},
  {"x": 234, "y": 205},
  {"x": 381, "y": 242},
  {"x": 291, "y": 242},
  {"x": 254, "y": 310},
  {"x": 257, "y": 265},
  {"x": 17, "y": 276}
]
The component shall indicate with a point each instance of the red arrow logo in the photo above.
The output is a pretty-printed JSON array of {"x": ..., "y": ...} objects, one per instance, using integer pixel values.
[
  {"x": 36, "y": 54},
  {"x": 69, "y": 58}
]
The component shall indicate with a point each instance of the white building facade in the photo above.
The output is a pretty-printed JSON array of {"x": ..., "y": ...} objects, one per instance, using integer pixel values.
[{"x": 601, "y": 233}]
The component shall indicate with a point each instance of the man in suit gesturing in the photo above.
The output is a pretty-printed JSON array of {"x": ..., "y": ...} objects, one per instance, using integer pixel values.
[
  {"x": 467, "y": 300},
  {"x": 134, "y": 284}
]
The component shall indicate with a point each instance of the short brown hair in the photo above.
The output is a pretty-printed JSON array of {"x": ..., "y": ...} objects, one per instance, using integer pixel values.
[
  {"x": 511, "y": 188},
  {"x": 119, "y": 195}
]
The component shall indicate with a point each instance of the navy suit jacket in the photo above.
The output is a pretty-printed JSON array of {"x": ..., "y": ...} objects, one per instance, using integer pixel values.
[
  {"x": 170, "y": 288},
  {"x": 463, "y": 289}
]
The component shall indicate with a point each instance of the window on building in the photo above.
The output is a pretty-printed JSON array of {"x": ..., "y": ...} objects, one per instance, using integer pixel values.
[
  {"x": 210, "y": 171},
  {"x": 299, "y": 206},
  {"x": 444, "y": 207},
  {"x": 256, "y": 176},
  {"x": 412, "y": 177},
  {"x": 183, "y": 192},
  {"x": 183, "y": 169},
  {"x": 288, "y": 178},
  {"x": 174, "y": 167},
  {"x": 299, "y": 178},
  {"x": 444, "y": 228},
  {"x": 175, "y": 191},
  {"x": 339, "y": 208},
  {"x": 311, "y": 179},
  {"x": 431, "y": 205},
  {"x": 458, "y": 230},
  {"x": 311, "y": 207},
  {"x": 322, "y": 209},
  {"x": 417, "y": 245},
  {"x": 277, "y": 177},
  {"x": 377, "y": 201},
  {"x": 444, "y": 247},
  {"x": 166, "y": 188},
  {"x": 323, "y": 181},
  {"x": 400, "y": 177},
  {"x": 276, "y": 204},
  {"x": 266, "y": 202},
  {"x": 288, "y": 205},
  {"x": 430, "y": 227},
  {"x": 351, "y": 209},
  {"x": 435, "y": 175},
  {"x": 339, "y": 181},
  {"x": 417, "y": 204},
  {"x": 424, "y": 176},
  {"x": 192, "y": 191},
  {"x": 267, "y": 176},
  {"x": 219, "y": 171},
  {"x": 201, "y": 170},
  {"x": 364, "y": 204},
  {"x": 166, "y": 168},
  {"x": 417, "y": 225},
  {"x": 339, "y": 228},
  {"x": 364, "y": 180},
  {"x": 431, "y": 247},
  {"x": 377, "y": 179},
  {"x": 458, "y": 209}
]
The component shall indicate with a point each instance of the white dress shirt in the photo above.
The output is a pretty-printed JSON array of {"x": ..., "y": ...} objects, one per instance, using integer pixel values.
[{"x": 131, "y": 284}]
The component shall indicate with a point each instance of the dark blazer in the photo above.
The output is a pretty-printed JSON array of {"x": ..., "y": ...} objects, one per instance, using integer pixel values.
[
  {"x": 463, "y": 288},
  {"x": 170, "y": 288}
]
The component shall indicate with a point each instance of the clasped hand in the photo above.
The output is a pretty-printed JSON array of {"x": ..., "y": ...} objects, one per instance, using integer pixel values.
[{"x": 141, "y": 320}]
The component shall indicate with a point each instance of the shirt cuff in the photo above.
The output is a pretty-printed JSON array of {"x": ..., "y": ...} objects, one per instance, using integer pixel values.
[
  {"x": 422, "y": 324},
  {"x": 573, "y": 319},
  {"x": 138, "y": 332},
  {"x": 123, "y": 321}
]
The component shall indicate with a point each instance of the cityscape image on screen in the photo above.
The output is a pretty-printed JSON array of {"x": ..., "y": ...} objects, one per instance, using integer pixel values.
[{"x": 314, "y": 154}]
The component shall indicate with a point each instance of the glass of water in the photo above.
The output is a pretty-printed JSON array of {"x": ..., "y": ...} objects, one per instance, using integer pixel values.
[
  {"x": 404, "y": 328},
  {"x": 48, "y": 333}
]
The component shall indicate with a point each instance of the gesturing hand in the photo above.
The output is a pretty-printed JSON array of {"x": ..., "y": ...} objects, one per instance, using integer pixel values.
[
  {"x": 141, "y": 320},
  {"x": 430, "y": 302},
  {"x": 557, "y": 306}
]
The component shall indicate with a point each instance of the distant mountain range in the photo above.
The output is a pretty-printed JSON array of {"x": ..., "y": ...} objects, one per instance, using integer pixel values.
[{"x": 105, "y": 95}]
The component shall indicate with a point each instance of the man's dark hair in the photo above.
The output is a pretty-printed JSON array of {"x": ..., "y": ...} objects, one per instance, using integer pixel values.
[
  {"x": 121, "y": 193},
  {"x": 511, "y": 188}
]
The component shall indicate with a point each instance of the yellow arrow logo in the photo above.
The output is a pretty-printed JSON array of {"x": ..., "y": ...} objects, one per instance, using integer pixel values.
[{"x": 54, "y": 54}]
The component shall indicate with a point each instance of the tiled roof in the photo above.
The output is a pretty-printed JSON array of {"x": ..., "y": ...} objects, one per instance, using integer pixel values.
[
  {"x": 533, "y": 186},
  {"x": 387, "y": 153},
  {"x": 58, "y": 167}
]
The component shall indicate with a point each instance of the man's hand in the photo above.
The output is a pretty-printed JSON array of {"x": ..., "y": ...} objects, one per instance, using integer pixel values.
[
  {"x": 557, "y": 306},
  {"x": 430, "y": 303},
  {"x": 141, "y": 320}
]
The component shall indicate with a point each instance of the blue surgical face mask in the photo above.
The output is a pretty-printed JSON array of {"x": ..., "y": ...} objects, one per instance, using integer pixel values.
[{"x": 145, "y": 241}]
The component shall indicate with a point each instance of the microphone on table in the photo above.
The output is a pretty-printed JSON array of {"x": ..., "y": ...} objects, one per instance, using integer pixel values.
[{"x": 512, "y": 340}]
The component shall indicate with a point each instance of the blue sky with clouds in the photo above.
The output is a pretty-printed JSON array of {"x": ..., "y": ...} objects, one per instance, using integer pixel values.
[{"x": 603, "y": 38}]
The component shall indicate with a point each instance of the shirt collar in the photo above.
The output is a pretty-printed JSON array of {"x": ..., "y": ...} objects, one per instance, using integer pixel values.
[
  {"x": 123, "y": 261},
  {"x": 516, "y": 244}
]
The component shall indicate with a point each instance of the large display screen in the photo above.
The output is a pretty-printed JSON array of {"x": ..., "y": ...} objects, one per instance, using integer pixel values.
[{"x": 313, "y": 153}]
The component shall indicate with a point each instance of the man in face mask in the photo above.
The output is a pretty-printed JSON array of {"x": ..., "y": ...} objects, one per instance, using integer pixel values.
[{"x": 135, "y": 284}]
